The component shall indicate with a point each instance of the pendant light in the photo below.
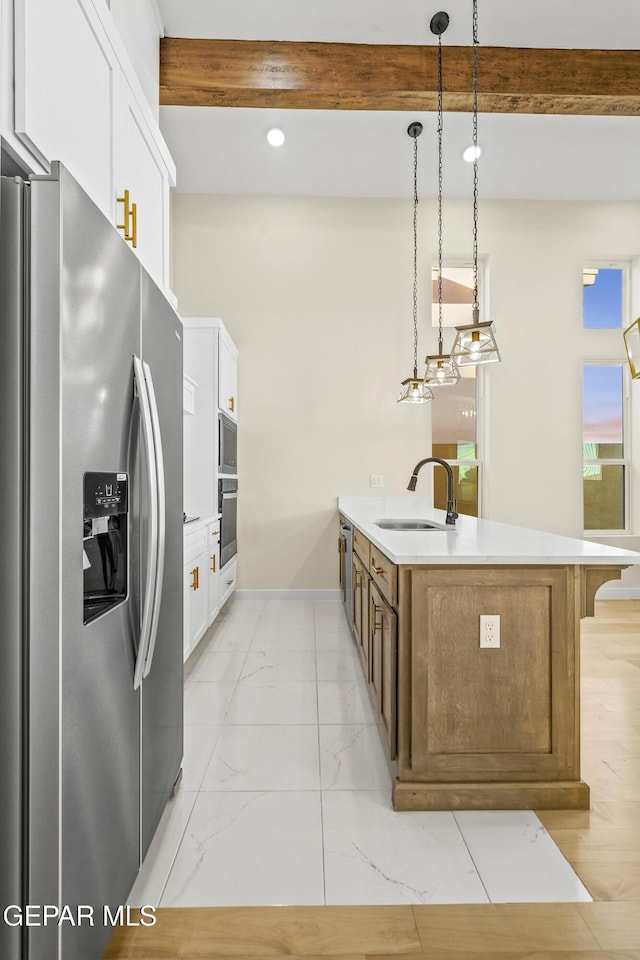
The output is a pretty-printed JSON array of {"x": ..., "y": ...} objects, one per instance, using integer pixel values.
[
  {"x": 632, "y": 345},
  {"x": 475, "y": 343},
  {"x": 414, "y": 390},
  {"x": 441, "y": 368}
]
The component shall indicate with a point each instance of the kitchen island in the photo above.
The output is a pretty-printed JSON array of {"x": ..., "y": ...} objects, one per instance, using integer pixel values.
[{"x": 471, "y": 726}]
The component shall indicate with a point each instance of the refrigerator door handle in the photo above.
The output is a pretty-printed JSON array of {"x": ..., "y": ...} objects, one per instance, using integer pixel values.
[
  {"x": 160, "y": 502},
  {"x": 152, "y": 543}
]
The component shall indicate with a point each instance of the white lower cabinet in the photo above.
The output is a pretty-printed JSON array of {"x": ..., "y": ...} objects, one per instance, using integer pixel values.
[
  {"x": 195, "y": 587},
  {"x": 206, "y": 586},
  {"x": 213, "y": 576},
  {"x": 195, "y": 603},
  {"x": 228, "y": 576}
]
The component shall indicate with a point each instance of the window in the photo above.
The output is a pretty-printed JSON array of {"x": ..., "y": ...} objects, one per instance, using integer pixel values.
[
  {"x": 603, "y": 290},
  {"x": 454, "y": 409},
  {"x": 605, "y": 430},
  {"x": 605, "y": 468},
  {"x": 454, "y": 423},
  {"x": 457, "y": 294}
]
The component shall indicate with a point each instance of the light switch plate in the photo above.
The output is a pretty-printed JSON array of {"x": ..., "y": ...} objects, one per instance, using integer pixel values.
[{"x": 376, "y": 480}]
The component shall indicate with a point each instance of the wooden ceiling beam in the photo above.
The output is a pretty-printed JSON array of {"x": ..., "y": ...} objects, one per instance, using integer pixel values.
[{"x": 350, "y": 76}]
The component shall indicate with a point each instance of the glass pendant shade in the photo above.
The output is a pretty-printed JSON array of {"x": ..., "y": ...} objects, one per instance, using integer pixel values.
[
  {"x": 475, "y": 344},
  {"x": 441, "y": 370},
  {"x": 632, "y": 344},
  {"x": 414, "y": 390}
]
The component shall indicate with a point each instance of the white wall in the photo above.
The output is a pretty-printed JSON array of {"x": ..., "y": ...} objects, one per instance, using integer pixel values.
[{"x": 317, "y": 294}]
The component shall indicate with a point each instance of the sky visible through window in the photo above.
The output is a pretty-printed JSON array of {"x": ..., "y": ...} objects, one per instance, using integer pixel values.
[
  {"x": 602, "y": 404},
  {"x": 602, "y": 301}
]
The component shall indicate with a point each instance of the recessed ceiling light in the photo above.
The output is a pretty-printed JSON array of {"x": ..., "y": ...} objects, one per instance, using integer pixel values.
[
  {"x": 275, "y": 137},
  {"x": 472, "y": 153}
]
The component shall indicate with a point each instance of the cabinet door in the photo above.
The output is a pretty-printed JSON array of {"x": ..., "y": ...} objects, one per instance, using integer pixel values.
[
  {"x": 200, "y": 430},
  {"x": 361, "y": 611},
  {"x": 195, "y": 603},
  {"x": 228, "y": 376},
  {"x": 213, "y": 560},
  {"x": 140, "y": 170},
  {"x": 66, "y": 79},
  {"x": 383, "y": 630}
]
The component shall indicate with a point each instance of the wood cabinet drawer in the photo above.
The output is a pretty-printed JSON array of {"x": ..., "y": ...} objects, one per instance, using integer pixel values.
[
  {"x": 384, "y": 574},
  {"x": 361, "y": 546}
]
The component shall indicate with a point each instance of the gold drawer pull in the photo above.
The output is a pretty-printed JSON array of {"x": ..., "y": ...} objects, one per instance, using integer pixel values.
[
  {"x": 232, "y": 404},
  {"x": 379, "y": 570},
  {"x": 195, "y": 574},
  {"x": 213, "y": 560}
]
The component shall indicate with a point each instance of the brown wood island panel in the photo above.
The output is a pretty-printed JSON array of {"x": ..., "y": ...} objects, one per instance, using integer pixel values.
[{"x": 489, "y": 716}]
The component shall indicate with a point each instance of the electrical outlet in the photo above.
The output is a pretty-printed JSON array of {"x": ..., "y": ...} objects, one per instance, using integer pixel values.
[
  {"x": 489, "y": 631},
  {"x": 376, "y": 480}
]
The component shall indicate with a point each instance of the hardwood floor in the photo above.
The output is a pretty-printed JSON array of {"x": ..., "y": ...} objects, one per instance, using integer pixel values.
[{"x": 602, "y": 844}]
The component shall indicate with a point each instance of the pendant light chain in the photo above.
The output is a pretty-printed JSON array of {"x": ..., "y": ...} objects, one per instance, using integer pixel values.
[
  {"x": 415, "y": 257},
  {"x": 476, "y": 305},
  {"x": 440, "y": 133},
  {"x": 475, "y": 343}
]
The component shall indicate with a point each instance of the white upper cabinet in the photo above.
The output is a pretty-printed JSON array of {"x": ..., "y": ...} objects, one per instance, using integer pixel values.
[
  {"x": 140, "y": 170},
  {"x": 79, "y": 100},
  {"x": 66, "y": 80},
  {"x": 228, "y": 376}
]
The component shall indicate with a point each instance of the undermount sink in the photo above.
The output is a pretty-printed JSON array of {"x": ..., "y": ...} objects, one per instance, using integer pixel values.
[{"x": 419, "y": 525}]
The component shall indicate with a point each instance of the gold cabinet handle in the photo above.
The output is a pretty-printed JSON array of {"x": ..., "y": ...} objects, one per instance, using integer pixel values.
[
  {"x": 130, "y": 225},
  {"x": 232, "y": 404},
  {"x": 215, "y": 533},
  {"x": 127, "y": 213},
  {"x": 194, "y": 583},
  {"x": 378, "y": 570},
  {"x": 134, "y": 230},
  {"x": 377, "y": 624},
  {"x": 213, "y": 560}
]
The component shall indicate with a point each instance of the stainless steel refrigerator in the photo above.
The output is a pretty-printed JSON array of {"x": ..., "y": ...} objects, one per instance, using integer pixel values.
[{"x": 90, "y": 566}]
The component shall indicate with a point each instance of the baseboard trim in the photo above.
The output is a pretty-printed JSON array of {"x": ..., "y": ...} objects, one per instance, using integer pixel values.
[
  {"x": 618, "y": 593},
  {"x": 254, "y": 595},
  {"x": 604, "y": 593}
]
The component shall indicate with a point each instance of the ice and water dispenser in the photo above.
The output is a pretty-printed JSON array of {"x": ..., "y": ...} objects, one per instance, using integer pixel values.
[{"x": 104, "y": 542}]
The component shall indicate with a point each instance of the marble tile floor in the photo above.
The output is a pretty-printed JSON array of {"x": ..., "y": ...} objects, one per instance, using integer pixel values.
[{"x": 286, "y": 795}]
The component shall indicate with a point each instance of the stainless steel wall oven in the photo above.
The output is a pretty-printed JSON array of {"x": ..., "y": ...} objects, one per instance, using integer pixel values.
[{"x": 228, "y": 507}]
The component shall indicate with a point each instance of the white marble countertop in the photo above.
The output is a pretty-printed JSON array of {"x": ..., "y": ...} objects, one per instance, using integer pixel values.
[{"x": 471, "y": 540}]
